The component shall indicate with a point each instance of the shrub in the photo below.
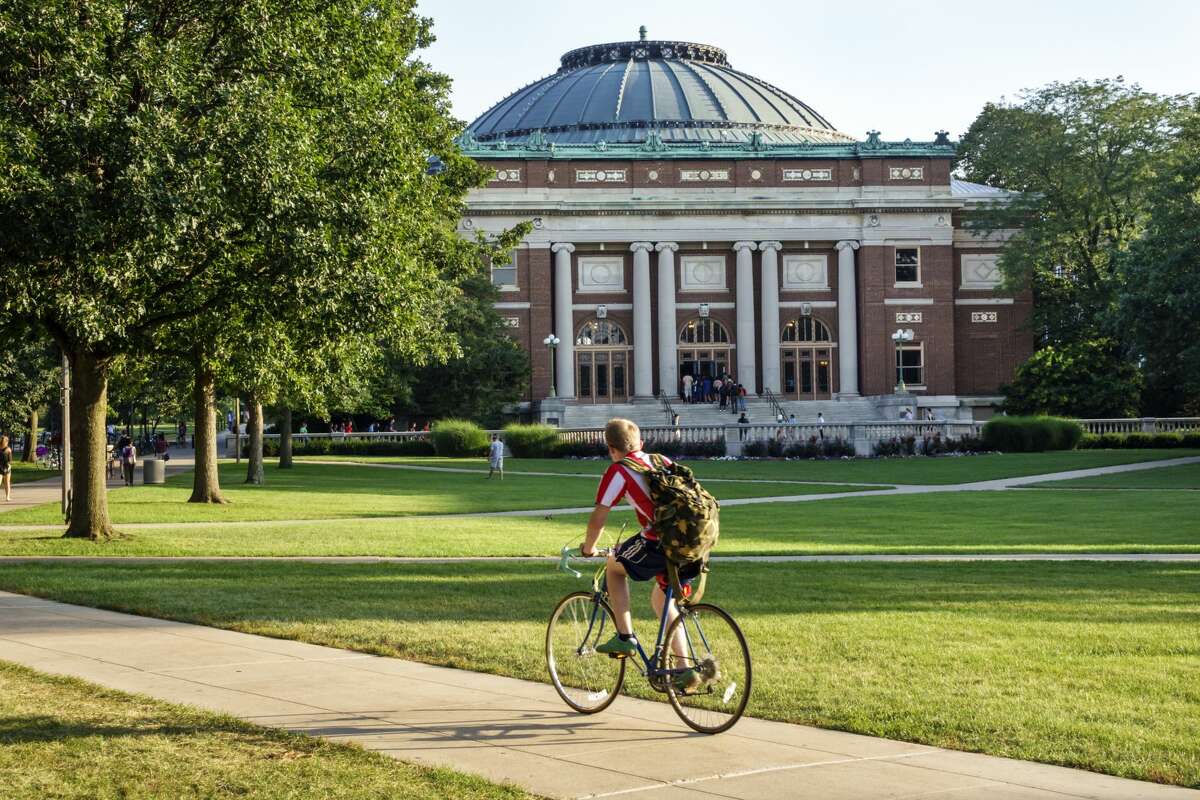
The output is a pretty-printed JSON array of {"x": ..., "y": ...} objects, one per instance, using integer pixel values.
[
  {"x": 819, "y": 447},
  {"x": 896, "y": 446},
  {"x": 1112, "y": 441},
  {"x": 582, "y": 449},
  {"x": 1031, "y": 434},
  {"x": 1191, "y": 439},
  {"x": 1167, "y": 440},
  {"x": 671, "y": 447},
  {"x": 1139, "y": 440},
  {"x": 1090, "y": 441},
  {"x": 459, "y": 437},
  {"x": 352, "y": 447},
  {"x": 532, "y": 441}
]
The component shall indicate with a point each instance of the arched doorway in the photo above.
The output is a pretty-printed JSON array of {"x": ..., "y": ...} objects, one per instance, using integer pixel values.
[
  {"x": 703, "y": 349},
  {"x": 806, "y": 353},
  {"x": 601, "y": 362}
]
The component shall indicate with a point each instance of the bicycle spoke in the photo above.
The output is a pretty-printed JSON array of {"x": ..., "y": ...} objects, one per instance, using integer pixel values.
[
  {"x": 588, "y": 681},
  {"x": 708, "y": 647}
]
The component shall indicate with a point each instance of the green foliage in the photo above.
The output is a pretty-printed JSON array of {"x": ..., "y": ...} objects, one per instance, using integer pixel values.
[
  {"x": 532, "y": 441},
  {"x": 459, "y": 437},
  {"x": 1031, "y": 434},
  {"x": 486, "y": 371},
  {"x": 328, "y": 446},
  {"x": 29, "y": 375},
  {"x": 1141, "y": 441},
  {"x": 673, "y": 448},
  {"x": 1088, "y": 380},
  {"x": 1083, "y": 157},
  {"x": 1159, "y": 302}
]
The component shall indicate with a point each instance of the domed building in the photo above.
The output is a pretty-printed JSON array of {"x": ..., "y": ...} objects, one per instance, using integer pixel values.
[{"x": 692, "y": 220}]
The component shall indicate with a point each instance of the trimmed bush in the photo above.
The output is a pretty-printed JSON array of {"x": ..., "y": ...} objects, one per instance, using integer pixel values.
[
  {"x": 325, "y": 447},
  {"x": 670, "y": 447},
  {"x": 459, "y": 437},
  {"x": 1168, "y": 440},
  {"x": 1031, "y": 434},
  {"x": 532, "y": 441},
  {"x": 1139, "y": 441},
  {"x": 1191, "y": 439},
  {"x": 582, "y": 449}
]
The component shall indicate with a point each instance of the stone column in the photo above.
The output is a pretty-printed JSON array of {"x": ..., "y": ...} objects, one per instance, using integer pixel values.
[
  {"x": 770, "y": 314},
  {"x": 564, "y": 321},
  {"x": 847, "y": 320},
  {"x": 745, "y": 316},
  {"x": 643, "y": 342},
  {"x": 668, "y": 361}
]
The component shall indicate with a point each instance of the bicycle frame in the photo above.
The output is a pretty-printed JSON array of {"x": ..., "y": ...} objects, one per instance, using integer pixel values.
[{"x": 647, "y": 668}]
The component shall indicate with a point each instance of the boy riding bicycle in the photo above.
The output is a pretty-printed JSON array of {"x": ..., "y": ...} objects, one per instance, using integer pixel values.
[{"x": 639, "y": 557}]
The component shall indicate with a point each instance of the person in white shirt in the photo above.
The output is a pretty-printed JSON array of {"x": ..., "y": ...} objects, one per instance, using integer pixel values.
[{"x": 496, "y": 457}]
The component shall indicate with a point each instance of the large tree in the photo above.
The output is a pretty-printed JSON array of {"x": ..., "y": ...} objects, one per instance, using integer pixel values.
[
  {"x": 165, "y": 161},
  {"x": 1083, "y": 157},
  {"x": 1160, "y": 300}
]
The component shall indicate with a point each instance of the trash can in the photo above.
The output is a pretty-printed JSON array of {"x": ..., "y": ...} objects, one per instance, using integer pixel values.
[{"x": 154, "y": 471}]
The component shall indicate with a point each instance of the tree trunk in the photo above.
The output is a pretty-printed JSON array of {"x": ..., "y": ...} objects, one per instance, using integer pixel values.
[
  {"x": 29, "y": 454},
  {"x": 89, "y": 489},
  {"x": 254, "y": 464},
  {"x": 206, "y": 483},
  {"x": 285, "y": 439}
]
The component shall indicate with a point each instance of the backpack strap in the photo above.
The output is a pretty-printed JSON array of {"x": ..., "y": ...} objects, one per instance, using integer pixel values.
[{"x": 697, "y": 587}]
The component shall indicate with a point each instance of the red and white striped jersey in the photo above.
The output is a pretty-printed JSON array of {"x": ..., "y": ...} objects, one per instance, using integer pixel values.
[{"x": 623, "y": 483}]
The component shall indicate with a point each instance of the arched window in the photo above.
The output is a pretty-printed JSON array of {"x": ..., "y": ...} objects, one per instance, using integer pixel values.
[
  {"x": 703, "y": 331},
  {"x": 600, "y": 333},
  {"x": 806, "y": 329}
]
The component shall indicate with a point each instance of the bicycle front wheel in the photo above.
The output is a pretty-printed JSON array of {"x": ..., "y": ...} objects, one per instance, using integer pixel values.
[
  {"x": 587, "y": 681},
  {"x": 709, "y": 668}
]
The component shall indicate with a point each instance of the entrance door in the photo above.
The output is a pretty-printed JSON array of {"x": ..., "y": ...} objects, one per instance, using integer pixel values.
[
  {"x": 602, "y": 376},
  {"x": 807, "y": 373}
]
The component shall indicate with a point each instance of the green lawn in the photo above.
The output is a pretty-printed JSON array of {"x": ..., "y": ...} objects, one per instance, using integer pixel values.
[
  {"x": 965, "y": 522},
  {"x": 1086, "y": 665},
  {"x": 1186, "y": 476},
  {"x": 320, "y": 491},
  {"x": 944, "y": 470},
  {"x": 24, "y": 473},
  {"x": 65, "y": 738}
]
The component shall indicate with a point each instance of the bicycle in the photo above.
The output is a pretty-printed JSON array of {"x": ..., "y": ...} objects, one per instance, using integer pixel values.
[{"x": 702, "y": 637}]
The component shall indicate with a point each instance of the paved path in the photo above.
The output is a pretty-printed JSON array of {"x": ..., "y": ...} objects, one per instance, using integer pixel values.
[
  {"x": 510, "y": 730},
  {"x": 782, "y": 559},
  {"x": 36, "y": 493}
]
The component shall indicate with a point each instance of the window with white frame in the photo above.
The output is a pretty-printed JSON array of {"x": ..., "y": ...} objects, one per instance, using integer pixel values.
[
  {"x": 504, "y": 273},
  {"x": 908, "y": 266},
  {"x": 910, "y": 363}
]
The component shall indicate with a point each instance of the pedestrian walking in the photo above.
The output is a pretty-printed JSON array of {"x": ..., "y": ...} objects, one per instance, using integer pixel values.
[
  {"x": 128, "y": 461},
  {"x": 496, "y": 457},
  {"x": 821, "y": 422},
  {"x": 707, "y": 390},
  {"x": 6, "y": 458},
  {"x": 687, "y": 388},
  {"x": 744, "y": 425},
  {"x": 741, "y": 397}
]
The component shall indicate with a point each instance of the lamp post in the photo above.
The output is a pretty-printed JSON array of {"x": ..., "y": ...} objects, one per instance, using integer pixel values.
[
  {"x": 552, "y": 342},
  {"x": 900, "y": 337}
]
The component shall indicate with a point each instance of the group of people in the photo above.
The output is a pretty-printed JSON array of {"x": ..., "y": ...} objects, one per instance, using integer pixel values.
[
  {"x": 906, "y": 414},
  {"x": 722, "y": 390}
]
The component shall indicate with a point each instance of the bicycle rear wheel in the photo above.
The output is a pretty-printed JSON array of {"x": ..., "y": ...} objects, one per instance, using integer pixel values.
[
  {"x": 712, "y": 645},
  {"x": 587, "y": 681}
]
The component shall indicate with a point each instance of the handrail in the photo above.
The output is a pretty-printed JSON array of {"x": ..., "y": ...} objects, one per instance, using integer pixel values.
[
  {"x": 670, "y": 409},
  {"x": 775, "y": 406}
]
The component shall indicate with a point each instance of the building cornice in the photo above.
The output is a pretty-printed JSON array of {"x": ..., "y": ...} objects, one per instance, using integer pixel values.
[{"x": 537, "y": 147}]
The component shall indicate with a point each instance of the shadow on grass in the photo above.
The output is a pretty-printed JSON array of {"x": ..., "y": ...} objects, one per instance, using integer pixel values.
[{"x": 44, "y": 728}]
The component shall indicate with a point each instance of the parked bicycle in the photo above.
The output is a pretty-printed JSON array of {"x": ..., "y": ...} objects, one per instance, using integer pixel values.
[{"x": 703, "y": 638}]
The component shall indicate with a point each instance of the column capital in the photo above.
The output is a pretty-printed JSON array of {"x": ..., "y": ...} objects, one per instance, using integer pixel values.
[
  {"x": 764, "y": 246},
  {"x": 739, "y": 246},
  {"x": 844, "y": 243},
  {"x": 636, "y": 246},
  {"x": 672, "y": 246},
  {"x": 558, "y": 247}
]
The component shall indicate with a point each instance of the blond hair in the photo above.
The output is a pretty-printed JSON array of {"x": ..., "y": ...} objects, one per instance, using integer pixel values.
[
  {"x": 3, "y": 442},
  {"x": 622, "y": 435}
]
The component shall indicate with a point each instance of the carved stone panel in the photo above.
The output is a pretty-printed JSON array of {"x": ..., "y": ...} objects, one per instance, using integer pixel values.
[
  {"x": 703, "y": 274},
  {"x": 601, "y": 274},
  {"x": 906, "y": 173},
  {"x": 599, "y": 176},
  {"x": 703, "y": 175},
  {"x": 980, "y": 271},
  {"x": 805, "y": 272},
  {"x": 984, "y": 316},
  {"x": 808, "y": 174}
]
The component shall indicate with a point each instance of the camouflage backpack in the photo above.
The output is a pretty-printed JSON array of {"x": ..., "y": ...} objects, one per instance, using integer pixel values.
[{"x": 685, "y": 515}]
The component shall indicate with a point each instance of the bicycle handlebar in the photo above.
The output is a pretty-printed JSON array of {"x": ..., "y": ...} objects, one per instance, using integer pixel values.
[{"x": 568, "y": 553}]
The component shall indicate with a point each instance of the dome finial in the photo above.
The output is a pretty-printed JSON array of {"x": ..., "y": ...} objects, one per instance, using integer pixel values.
[{"x": 642, "y": 33}]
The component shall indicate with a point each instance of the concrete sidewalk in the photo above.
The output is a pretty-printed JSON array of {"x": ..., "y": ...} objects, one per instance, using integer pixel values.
[{"x": 505, "y": 729}]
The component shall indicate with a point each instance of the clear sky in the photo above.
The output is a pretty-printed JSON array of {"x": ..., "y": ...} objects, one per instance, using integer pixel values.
[{"x": 905, "y": 68}]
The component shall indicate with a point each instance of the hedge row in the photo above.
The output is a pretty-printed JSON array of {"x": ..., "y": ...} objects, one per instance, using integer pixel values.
[
  {"x": 1031, "y": 434},
  {"x": 459, "y": 437},
  {"x": 927, "y": 446},
  {"x": 1118, "y": 441},
  {"x": 813, "y": 448}
]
